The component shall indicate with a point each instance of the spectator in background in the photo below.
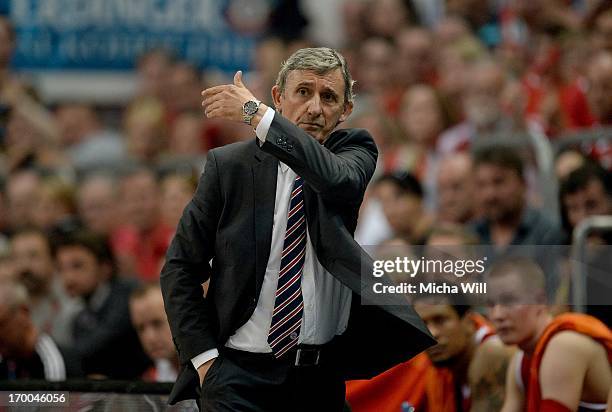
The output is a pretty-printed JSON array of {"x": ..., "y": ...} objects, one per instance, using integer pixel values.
[
  {"x": 483, "y": 106},
  {"x": 22, "y": 188},
  {"x": 150, "y": 322},
  {"x": 176, "y": 191},
  {"x": 501, "y": 198},
  {"x": 374, "y": 77},
  {"x": 26, "y": 352},
  {"x": 185, "y": 137},
  {"x": 401, "y": 196},
  {"x": 586, "y": 191},
  {"x": 423, "y": 118},
  {"x": 599, "y": 74},
  {"x": 103, "y": 335},
  {"x": 88, "y": 144},
  {"x": 98, "y": 204},
  {"x": 55, "y": 204},
  {"x": 600, "y": 26},
  {"x": 141, "y": 242},
  {"x": 415, "y": 60},
  {"x": 51, "y": 309},
  {"x": 145, "y": 130},
  {"x": 153, "y": 71},
  {"x": 385, "y": 18},
  {"x": 184, "y": 87},
  {"x": 456, "y": 189}
]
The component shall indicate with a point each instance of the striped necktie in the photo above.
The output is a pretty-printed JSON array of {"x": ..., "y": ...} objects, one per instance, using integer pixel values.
[{"x": 289, "y": 304}]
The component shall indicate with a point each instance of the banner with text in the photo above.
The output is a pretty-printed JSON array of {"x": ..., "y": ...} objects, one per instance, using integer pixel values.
[{"x": 112, "y": 34}]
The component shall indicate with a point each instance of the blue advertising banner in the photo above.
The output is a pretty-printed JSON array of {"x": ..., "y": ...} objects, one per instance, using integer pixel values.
[{"x": 112, "y": 34}]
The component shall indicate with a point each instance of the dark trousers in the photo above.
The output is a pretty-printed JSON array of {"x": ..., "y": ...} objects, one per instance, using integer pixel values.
[{"x": 241, "y": 381}]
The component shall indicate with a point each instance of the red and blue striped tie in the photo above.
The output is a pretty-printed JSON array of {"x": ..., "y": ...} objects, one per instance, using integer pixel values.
[{"x": 289, "y": 304}]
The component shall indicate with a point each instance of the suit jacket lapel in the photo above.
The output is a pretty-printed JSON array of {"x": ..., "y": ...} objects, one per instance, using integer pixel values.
[{"x": 265, "y": 168}]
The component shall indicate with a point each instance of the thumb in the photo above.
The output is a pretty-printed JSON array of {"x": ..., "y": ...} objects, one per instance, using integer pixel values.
[{"x": 238, "y": 79}]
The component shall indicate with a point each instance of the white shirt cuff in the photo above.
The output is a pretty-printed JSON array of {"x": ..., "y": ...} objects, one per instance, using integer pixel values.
[
  {"x": 264, "y": 124},
  {"x": 204, "y": 357}
]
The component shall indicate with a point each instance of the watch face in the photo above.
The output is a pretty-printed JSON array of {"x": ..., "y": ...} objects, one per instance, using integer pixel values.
[{"x": 250, "y": 107}]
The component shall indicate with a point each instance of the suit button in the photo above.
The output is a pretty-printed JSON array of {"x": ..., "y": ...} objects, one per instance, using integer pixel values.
[{"x": 293, "y": 336}]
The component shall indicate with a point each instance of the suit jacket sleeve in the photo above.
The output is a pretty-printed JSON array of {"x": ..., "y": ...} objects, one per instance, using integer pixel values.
[
  {"x": 187, "y": 267},
  {"x": 341, "y": 174}
]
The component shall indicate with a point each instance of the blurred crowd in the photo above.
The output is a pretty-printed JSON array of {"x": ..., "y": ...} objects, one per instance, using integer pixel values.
[{"x": 90, "y": 197}]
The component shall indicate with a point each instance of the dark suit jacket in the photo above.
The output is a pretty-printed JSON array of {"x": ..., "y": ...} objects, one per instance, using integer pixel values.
[
  {"x": 230, "y": 220},
  {"x": 104, "y": 338}
]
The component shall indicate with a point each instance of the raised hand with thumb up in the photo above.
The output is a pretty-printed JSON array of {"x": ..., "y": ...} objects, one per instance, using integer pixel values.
[{"x": 232, "y": 102}]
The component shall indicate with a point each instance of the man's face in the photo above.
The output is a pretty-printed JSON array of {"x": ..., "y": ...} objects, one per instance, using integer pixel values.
[
  {"x": 97, "y": 204},
  {"x": 32, "y": 258},
  {"x": 451, "y": 331},
  {"x": 397, "y": 205},
  {"x": 599, "y": 93},
  {"x": 151, "y": 324},
  {"x": 79, "y": 269},
  {"x": 314, "y": 102},
  {"x": 513, "y": 309},
  {"x": 500, "y": 191},
  {"x": 455, "y": 190},
  {"x": 140, "y": 198},
  {"x": 588, "y": 201}
]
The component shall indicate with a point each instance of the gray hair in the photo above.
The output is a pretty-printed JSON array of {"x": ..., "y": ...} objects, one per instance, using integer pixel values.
[{"x": 321, "y": 60}]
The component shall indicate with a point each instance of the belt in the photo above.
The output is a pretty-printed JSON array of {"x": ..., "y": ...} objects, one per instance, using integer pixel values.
[
  {"x": 306, "y": 355},
  {"x": 300, "y": 356}
]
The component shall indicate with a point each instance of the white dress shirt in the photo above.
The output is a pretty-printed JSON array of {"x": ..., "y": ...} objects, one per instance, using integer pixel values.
[{"x": 326, "y": 301}]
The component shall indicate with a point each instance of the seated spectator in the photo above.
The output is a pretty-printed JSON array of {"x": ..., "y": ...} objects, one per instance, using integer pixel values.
[
  {"x": 401, "y": 196},
  {"x": 484, "y": 103},
  {"x": 98, "y": 204},
  {"x": 103, "y": 335},
  {"x": 22, "y": 188},
  {"x": 153, "y": 69},
  {"x": 88, "y": 143},
  {"x": 141, "y": 243},
  {"x": 51, "y": 309},
  {"x": 423, "y": 117},
  {"x": 176, "y": 191},
  {"x": 564, "y": 361},
  {"x": 55, "y": 204},
  {"x": 587, "y": 191},
  {"x": 502, "y": 201},
  {"x": 150, "y": 321},
  {"x": 456, "y": 189},
  {"x": 145, "y": 130},
  {"x": 25, "y": 351},
  {"x": 469, "y": 359}
]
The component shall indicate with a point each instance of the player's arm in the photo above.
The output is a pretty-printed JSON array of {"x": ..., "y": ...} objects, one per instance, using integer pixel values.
[
  {"x": 514, "y": 398},
  {"x": 487, "y": 376},
  {"x": 562, "y": 376}
]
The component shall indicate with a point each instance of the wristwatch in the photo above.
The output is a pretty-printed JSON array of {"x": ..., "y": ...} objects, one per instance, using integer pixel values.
[{"x": 249, "y": 109}]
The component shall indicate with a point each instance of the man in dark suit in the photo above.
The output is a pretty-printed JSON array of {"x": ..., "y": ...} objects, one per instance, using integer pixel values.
[{"x": 288, "y": 316}]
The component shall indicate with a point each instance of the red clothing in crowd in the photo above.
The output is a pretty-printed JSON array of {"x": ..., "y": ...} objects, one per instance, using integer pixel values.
[{"x": 145, "y": 250}]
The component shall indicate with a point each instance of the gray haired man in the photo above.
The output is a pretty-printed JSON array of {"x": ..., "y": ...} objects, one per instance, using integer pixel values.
[{"x": 282, "y": 325}]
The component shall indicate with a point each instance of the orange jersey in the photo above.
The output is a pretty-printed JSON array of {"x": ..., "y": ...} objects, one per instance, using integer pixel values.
[
  {"x": 417, "y": 382},
  {"x": 386, "y": 392},
  {"x": 583, "y": 324}
]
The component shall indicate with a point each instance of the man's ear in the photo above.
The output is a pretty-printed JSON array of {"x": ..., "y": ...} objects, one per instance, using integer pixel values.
[
  {"x": 348, "y": 109},
  {"x": 276, "y": 98}
]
